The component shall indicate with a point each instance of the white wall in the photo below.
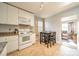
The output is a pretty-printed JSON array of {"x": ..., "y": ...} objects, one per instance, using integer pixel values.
[
  {"x": 54, "y": 22},
  {"x": 47, "y": 25}
]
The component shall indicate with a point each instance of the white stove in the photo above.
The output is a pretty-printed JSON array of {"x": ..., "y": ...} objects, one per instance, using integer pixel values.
[{"x": 24, "y": 39}]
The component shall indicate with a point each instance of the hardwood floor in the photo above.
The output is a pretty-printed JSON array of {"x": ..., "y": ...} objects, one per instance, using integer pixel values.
[{"x": 38, "y": 49}]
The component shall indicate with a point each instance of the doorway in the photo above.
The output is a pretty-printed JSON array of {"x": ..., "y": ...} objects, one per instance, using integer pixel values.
[{"x": 69, "y": 31}]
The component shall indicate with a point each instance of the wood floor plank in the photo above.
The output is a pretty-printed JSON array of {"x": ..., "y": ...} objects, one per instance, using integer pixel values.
[{"x": 38, "y": 49}]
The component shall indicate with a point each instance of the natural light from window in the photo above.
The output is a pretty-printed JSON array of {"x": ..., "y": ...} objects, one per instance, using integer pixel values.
[
  {"x": 65, "y": 27},
  {"x": 40, "y": 25}
]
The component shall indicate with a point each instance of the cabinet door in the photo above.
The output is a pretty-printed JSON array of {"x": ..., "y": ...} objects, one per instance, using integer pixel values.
[
  {"x": 32, "y": 22},
  {"x": 12, "y": 43},
  {"x": 28, "y": 21},
  {"x": 12, "y": 15},
  {"x": 22, "y": 14},
  {"x": 33, "y": 38},
  {"x": 3, "y": 13},
  {"x": 3, "y": 39}
]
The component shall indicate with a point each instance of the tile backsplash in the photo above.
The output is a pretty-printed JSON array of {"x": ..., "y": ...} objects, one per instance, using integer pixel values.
[{"x": 7, "y": 28}]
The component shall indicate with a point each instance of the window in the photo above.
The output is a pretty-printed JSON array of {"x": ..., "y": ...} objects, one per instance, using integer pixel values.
[
  {"x": 40, "y": 25},
  {"x": 65, "y": 27}
]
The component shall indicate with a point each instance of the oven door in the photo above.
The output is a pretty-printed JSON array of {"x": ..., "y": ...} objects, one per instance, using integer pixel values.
[{"x": 24, "y": 39}]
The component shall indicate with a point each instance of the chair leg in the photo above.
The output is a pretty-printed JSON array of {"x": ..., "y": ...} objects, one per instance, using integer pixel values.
[
  {"x": 47, "y": 45},
  {"x": 53, "y": 42},
  {"x": 40, "y": 42},
  {"x": 50, "y": 44}
]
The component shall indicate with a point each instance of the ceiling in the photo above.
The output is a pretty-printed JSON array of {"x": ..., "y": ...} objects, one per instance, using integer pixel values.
[{"x": 49, "y": 8}]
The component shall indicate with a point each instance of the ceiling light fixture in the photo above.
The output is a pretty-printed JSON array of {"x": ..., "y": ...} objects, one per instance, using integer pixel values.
[{"x": 41, "y": 5}]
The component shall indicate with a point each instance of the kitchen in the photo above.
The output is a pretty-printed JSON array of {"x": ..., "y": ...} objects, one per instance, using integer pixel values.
[
  {"x": 16, "y": 28},
  {"x": 21, "y": 26}
]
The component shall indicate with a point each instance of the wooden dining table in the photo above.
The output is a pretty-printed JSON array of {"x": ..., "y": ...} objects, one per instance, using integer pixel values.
[{"x": 49, "y": 38}]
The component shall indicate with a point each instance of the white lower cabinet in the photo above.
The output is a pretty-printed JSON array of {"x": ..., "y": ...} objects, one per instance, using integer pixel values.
[
  {"x": 33, "y": 38},
  {"x": 3, "y": 39},
  {"x": 12, "y": 43}
]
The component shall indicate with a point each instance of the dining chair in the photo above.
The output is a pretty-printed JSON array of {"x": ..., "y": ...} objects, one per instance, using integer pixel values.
[
  {"x": 52, "y": 38},
  {"x": 42, "y": 37}
]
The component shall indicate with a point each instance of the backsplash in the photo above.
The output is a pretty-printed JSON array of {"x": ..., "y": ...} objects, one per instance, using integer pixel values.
[{"x": 7, "y": 28}]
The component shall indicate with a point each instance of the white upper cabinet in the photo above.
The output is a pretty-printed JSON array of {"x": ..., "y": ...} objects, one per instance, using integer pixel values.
[
  {"x": 25, "y": 14},
  {"x": 12, "y": 15},
  {"x": 22, "y": 14},
  {"x": 8, "y": 14},
  {"x": 26, "y": 18},
  {"x": 24, "y": 21},
  {"x": 3, "y": 13}
]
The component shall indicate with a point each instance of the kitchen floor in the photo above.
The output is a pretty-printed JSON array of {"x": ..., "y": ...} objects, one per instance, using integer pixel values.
[{"x": 38, "y": 49}]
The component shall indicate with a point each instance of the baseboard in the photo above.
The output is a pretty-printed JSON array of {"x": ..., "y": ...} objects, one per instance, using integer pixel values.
[{"x": 12, "y": 51}]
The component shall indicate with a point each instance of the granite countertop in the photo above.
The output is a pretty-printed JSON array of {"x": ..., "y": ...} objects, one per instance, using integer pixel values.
[{"x": 2, "y": 46}]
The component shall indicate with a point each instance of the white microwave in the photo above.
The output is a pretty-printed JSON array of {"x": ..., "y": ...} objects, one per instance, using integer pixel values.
[{"x": 23, "y": 20}]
